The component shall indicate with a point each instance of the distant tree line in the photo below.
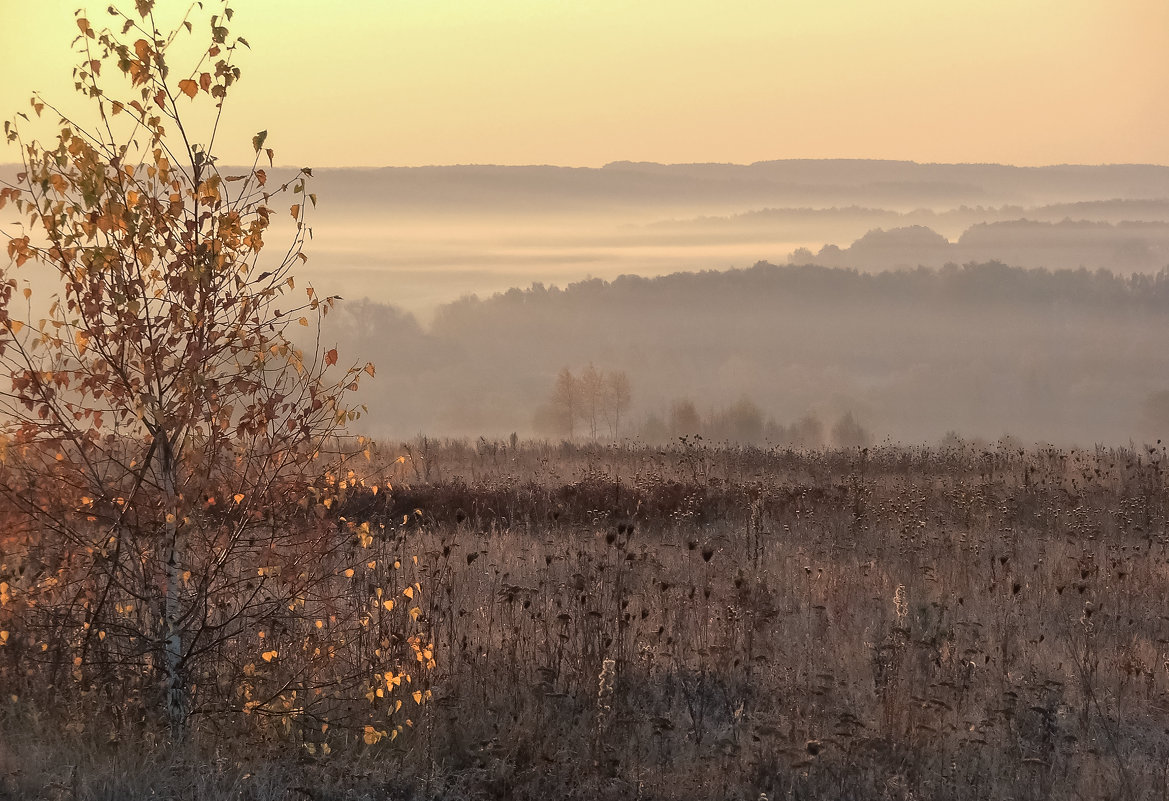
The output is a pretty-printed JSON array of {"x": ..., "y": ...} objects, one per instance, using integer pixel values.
[
  {"x": 1066, "y": 356},
  {"x": 769, "y": 285},
  {"x": 745, "y": 423}
]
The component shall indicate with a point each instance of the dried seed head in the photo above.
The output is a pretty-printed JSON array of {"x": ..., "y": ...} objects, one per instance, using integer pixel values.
[{"x": 901, "y": 603}]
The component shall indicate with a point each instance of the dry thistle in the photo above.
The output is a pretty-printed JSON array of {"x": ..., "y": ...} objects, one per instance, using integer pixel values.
[
  {"x": 605, "y": 687},
  {"x": 901, "y": 604}
]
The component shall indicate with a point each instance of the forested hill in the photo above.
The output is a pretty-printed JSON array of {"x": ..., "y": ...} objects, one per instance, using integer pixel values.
[
  {"x": 772, "y": 285},
  {"x": 1070, "y": 356}
]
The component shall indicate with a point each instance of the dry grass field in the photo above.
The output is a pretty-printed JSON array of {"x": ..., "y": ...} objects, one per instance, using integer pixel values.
[{"x": 703, "y": 622}]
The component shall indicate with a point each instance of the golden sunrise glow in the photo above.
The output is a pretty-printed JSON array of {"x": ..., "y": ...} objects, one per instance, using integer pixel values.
[{"x": 408, "y": 82}]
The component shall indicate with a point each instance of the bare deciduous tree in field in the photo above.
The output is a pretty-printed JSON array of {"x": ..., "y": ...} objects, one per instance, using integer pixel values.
[
  {"x": 566, "y": 402},
  {"x": 165, "y": 442},
  {"x": 618, "y": 395},
  {"x": 593, "y": 397}
]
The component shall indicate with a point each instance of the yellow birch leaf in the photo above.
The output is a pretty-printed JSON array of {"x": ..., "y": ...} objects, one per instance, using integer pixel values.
[{"x": 189, "y": 88}]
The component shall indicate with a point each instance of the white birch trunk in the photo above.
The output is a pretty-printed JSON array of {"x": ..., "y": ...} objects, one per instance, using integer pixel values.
[{"x": 176, "y": 688}]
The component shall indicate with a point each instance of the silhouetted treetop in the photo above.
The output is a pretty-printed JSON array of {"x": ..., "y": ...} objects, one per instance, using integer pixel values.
[{"x": 767, "y": 284}]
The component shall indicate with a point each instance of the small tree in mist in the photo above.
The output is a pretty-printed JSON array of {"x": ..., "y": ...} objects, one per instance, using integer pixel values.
[
  {"x": 162, "y": 433},
  {"x": 594, "y": 397},
  {"x": 951, "y": 441},
  {"x": 684, "y": 419},
  {"x": 741, "y": 422},
  {"x": 807, "y": 432},
  {"x": 591, "y": 389},
  {"x": 848, "y": 433},
  {"x": 565, "y": 403},
  {"x": 618, "y": 396}
]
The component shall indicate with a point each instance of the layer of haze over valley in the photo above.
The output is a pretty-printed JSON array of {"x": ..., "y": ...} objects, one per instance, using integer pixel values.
[
  {"x": 778, "y": 303},
  {"x": 785, "y": 291}
]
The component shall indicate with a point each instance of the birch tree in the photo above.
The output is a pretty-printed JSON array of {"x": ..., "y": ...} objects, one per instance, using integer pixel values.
[{"x": 160, "y": 426}]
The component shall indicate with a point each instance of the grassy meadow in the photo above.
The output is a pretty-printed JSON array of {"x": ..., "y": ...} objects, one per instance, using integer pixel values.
[{"x": 700, "y": 621}]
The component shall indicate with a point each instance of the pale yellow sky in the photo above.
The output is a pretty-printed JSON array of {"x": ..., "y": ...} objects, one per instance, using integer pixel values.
[{"x": 409, "y": 82}]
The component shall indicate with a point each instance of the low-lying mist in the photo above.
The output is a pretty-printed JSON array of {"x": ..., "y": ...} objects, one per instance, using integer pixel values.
[
  {"x": 420, "y": 237},
  {"x": 865, "y": 346}
]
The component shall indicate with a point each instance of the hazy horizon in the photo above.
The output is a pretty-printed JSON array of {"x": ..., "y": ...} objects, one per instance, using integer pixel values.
[
  {"x": 420, "y": 237},
  {"x": 704, "y": 141}
]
